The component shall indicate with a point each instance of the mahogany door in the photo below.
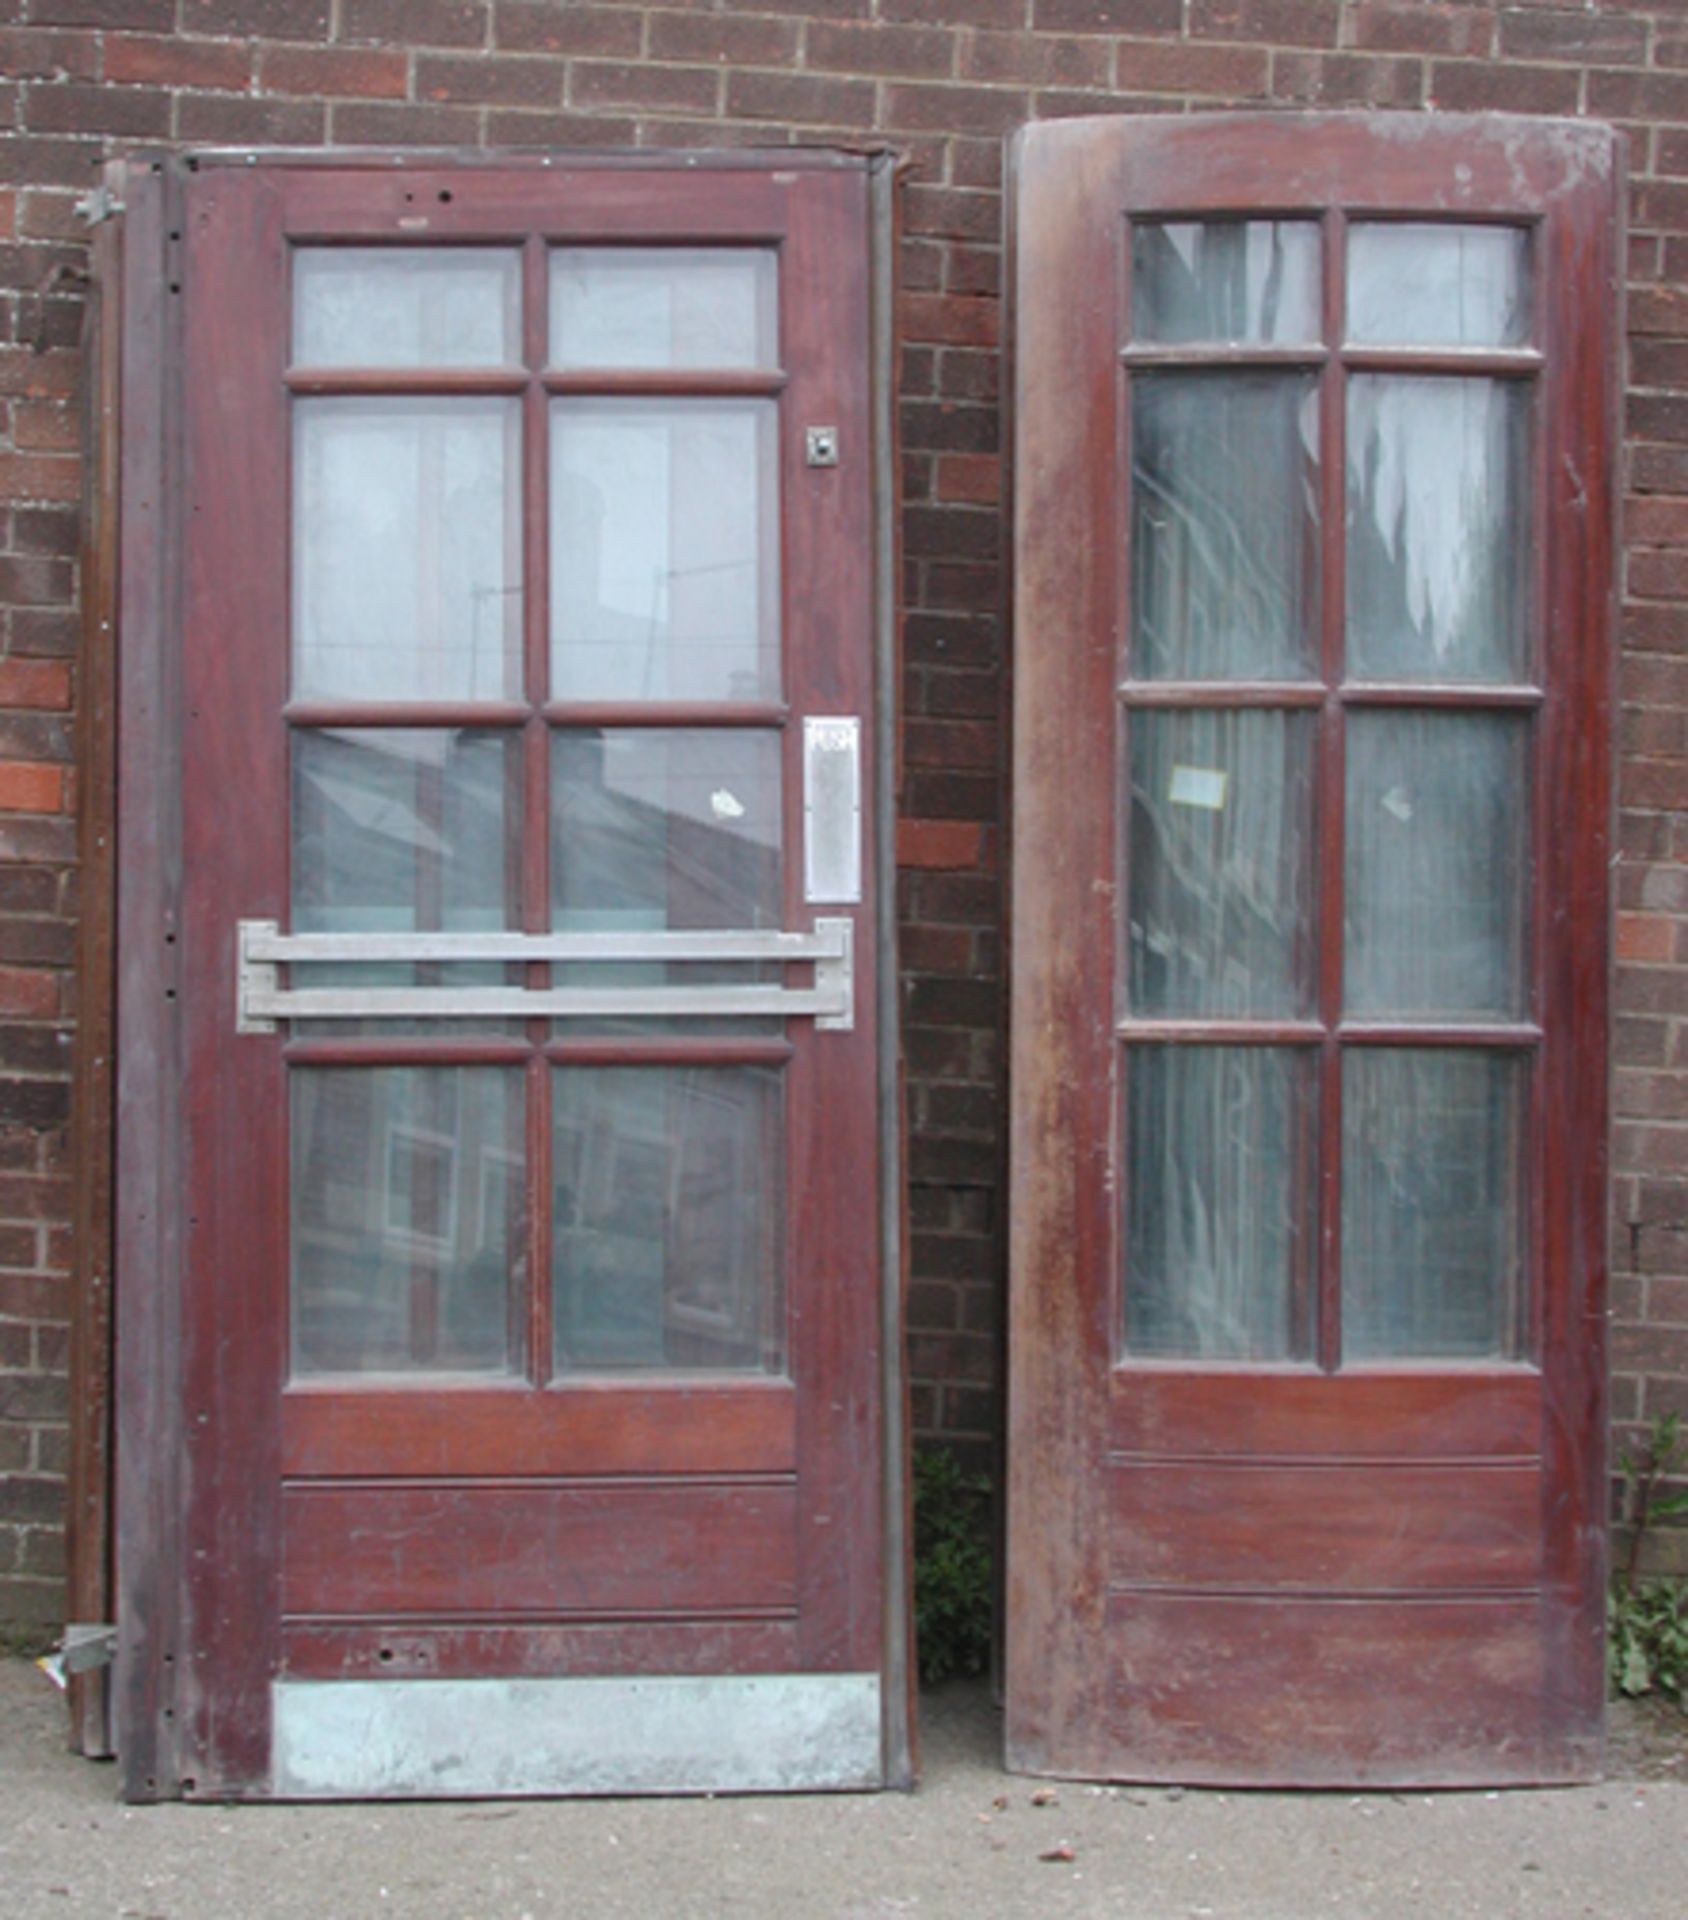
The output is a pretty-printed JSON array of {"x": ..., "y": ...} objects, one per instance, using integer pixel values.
[
  {"x": 1313, "y": 553},
  {"x": 517, "y": 1139}
]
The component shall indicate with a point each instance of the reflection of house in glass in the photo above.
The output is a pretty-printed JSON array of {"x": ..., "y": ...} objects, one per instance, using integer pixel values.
[{"x": 411, "y": 1242}]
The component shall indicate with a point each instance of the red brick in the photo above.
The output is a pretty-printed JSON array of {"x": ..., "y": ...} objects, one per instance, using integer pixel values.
[
  {"x": 1347, "y": 79},
  {"x": 45, "y": 426},
  {"x": 35, "y": 683},
  {"x": 1303, "y": 23},
  {"x": 969, "y": 477},
  {"x": 799, "y": 99},
  {"x": 403, "y": 123},
  {"x": 133, "y": 112},
  {"x": 1645, "y": 936},
  {"x": 1660, "y": 204},
  {"x": 27, "y": 787},
  {"x": 159, "y": 15},
  {"x": 940, "y": 843},
  {"x": 1035, "y": 59},
  {"x": 1658, "y": 573},
  {"x": 1183, "y": 67},
  {"x": 36, "y": 54},
  {"x": 49, "y": 214},
  {"x": 1657, "y": 520},
  {"x": 31, "y": 992},
  {"x": 1659, "y": 310},
  {"x": 928, "y": 51},
  {"x": 721, "y": 37},
  {"x": 1638, "y": 96},
  {"x": 238, "y": 120},
  {"x": 40, "y": 476},
  {"x": 1106, "y": 16},
  {"x": 1474, "y": 85},
  {"x": 415, "y": 23},
  {"x": 1583, "y": 37},
  {"x": 175, "y": 62},
  {"x": 513, "y": 82},
  {"x": 274, "y": 19},
  {"x": 953, "y": 216},
  {"x": 945, "y": 320},
  {"x": 346, "y": 72},
  {"x": 1418, "y": 28},
  {"x": 632, "y": 84},
  {"x": 541, "y": 26},
  {"x": 954, "y": 109}
]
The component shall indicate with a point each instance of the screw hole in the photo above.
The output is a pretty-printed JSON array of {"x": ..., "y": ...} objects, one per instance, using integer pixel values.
[
  {"x": 386, "y": 1656},
  {"x": 445, "y": 195}
]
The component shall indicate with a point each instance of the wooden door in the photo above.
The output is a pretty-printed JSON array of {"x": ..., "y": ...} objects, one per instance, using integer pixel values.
[
  {"x": 520, "y": 1165},
  {"x": 1313, "y": 552}
]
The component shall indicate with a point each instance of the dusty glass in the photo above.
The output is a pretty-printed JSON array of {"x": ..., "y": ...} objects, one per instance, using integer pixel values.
[
  {"x": 665, "y": 575},
  {"x": 406, "y": 550},
  {"x": 1248, "y": 282},
  {"x": 664, "y": 307},
  {"x": 1432, "y": 1217},
  {"x": 1225, "y": 526},
  {"x": 1416, "y": 283},
  {"x": 1220, "y": 1143},
  {"x": 1220, "y": 863},
  {"x": 407, "y": 306}
]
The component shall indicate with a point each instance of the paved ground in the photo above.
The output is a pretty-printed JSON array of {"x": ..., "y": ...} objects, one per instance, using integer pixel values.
[{"x": 971, "y": 1844}]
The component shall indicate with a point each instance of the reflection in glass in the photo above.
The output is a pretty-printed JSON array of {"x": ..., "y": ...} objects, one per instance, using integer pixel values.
[
  {"x": 1221, "y": 857},
  {"x": 1438, "y": 529},
  {"x": 1224, "y": 540},
  {"x": 406, "y": 306},
  {"x": 667, "y": 1186},
  {"x": 663, "y": 307},
  {"x": 664, "y": 550},
  {"x": 1432, "y": 1229},
  {"x": 407, "y": 1220},
  {"x": 1245, "y": 281},
  {"x": 1418, "y": 284},
  {"x": 404, "y": 831},
  {"x": 406, "y": 550},
  {"x": 1437, "y": 864},
  {"x": 1219, "y": 1183}
]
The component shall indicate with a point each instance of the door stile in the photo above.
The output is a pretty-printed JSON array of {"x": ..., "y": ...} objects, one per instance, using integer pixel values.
[
  {"x": 234, "y": 688},
  {"x": 835, "y": 1152},
  {"x": 1061, "y": 1204}
]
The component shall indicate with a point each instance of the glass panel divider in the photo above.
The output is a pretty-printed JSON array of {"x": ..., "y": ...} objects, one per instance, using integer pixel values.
[{"x": 1328, "y": 803}]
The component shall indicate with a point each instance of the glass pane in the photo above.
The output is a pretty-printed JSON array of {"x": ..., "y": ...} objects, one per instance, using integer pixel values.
[
  {"x": 407, "y": 1220},
  {"x": 656, "y": 828},
  {"x": 1247, "y": 281},
  {"x": 1438, "y": 529},
  {"x": 667, "y": 1185},
  {"x": 664, "y": 550},
  {"x": 406, "y": 550},
  {"x": 401, "y": 831},
  {"x": 1422, "y": 285},
  {"x": 1432, "y": 1213},
  {"x": 407, "y": 306},
  {"x": 1221, "y": 862},
  {"x": 1438, "y": 865},
  {"x": 663, "y": 307},
  {"x": 1225, "y": 523},
  {"x": 1220, "y": 1173}
]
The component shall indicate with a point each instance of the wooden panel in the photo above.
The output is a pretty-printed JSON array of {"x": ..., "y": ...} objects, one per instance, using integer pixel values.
[
  {"x": 412, "y": 1431},
  {"x": 1323, "y": 1693},
  {"x": 572, "y": 1547},
  {"x": 415, "y": 1649},
  {"x": 1394, "y": 1415},
  {"x": 1344, "y": 1528}
]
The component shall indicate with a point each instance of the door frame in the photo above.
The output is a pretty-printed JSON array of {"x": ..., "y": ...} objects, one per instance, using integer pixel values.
[{"x": 154, "y": 1685}]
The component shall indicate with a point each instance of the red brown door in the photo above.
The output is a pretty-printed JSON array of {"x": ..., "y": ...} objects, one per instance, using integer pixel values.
[
  {"x": 526, "y": 1301},
  {"x": 1313, "y": 563}
]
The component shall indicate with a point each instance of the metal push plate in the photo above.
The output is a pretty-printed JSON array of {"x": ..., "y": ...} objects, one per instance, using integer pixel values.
[{"x": 832, "y": 811}]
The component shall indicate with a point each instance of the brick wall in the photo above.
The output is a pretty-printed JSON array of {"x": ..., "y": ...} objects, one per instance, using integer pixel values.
[{"x": 944, "y": 80}]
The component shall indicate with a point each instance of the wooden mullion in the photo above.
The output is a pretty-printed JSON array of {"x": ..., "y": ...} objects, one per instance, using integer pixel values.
[
  {"x": 1447, "y": 362},
  {"x": 1195, "y": 357},
  {"x": 667, "y": 383},
  {"x": 1221, "y": 693},
  {"x": 598, "y": 714},
  {"x": 1475, "y": 698},
  {"x": 346, "y": 714},
  {"x": 404, "y": 382},
  {"x": 1330, "y": 794}
]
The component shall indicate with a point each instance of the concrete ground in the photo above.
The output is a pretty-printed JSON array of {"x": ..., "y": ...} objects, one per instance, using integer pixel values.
[{"x": 972, "y": 1843}]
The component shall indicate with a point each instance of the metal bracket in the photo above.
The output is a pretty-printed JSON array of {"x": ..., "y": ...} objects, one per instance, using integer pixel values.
[
  {"x": 261, "y": 1000},
  {"x": 83, "y": 1648},
  {"x": 99, "y": 204}
]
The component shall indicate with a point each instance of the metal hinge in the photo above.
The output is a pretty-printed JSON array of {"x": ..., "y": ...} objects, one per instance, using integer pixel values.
[
  {"x": 100, "y": 204},
  {"x": 83, "y": 1648}
]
